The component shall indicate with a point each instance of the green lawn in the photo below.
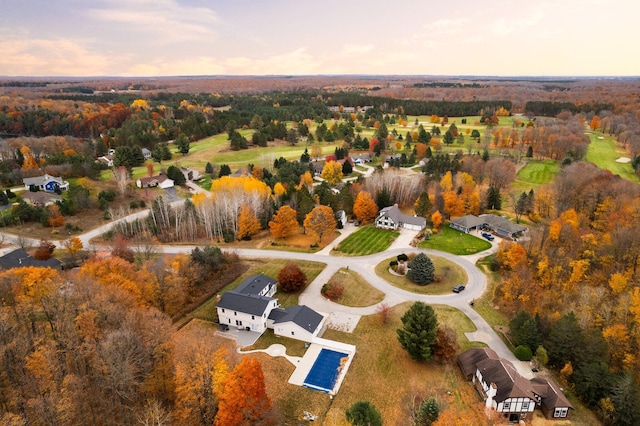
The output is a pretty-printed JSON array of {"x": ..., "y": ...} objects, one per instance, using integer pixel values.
[
  {"x": 447, "y": 275},
  {"x": 455, "y": 242},
  {"x": 539, "y": 172},
  {"x": 357, "y": 292},
  {"x": 604, "y": 153},
  {"x": 367, "y": 240}
]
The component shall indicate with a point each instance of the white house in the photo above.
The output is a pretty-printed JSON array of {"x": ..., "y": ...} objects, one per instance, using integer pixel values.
[
  {"x": 250, "y": 306},
  {"x": 392, "y": 218},
  {"x": 146, "y": 154},
  {"x": 296, "y": 322},
  {"x": 46, "y": 183}
]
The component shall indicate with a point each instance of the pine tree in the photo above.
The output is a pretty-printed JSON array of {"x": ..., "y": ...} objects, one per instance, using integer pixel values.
[
  {"x": 421, "y": 270},
  {"x": 423, "y": 205},
  {"x": 428, "y": 412},
  {"x": 494, "y": 200},
  {"x": 420, "y": 326},
  {"x": 363, "y": 413}
]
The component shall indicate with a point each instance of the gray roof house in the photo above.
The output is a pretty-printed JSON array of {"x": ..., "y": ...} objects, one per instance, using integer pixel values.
[
  {"x": 46, "y": 183},
  {"x": 392, "y": 218},
  {"x": 506, "y": 391},
  {"x": 41, "y": 198},
  {"x": 20, "y": 259},
  {"x": 250, "y": 306},
  {"x": 498, "y": 224}
]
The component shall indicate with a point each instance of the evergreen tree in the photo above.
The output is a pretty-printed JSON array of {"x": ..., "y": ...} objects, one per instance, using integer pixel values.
[
  {"x": 485, "y": 155},
  {"x": 530, "y": 152},
  {"x": 305, "y": 158},
  {"x": 208, "y": 169},
  {"x": 420, "y": 326},
  {"x": 363, "y": 413},
  {"x": 448, "y": 137},
  {"x": 347, "y": 168},
  {"x": 494, "y": 200},
  {"x": 423, "y": 205},
  {"x": 421, "y": 270},
  {"x": 428, "y": 412},
  {"x": 176, "y": 175},
  {"x": 383, "y": 199},
  {"x": 225, "y": 170}
]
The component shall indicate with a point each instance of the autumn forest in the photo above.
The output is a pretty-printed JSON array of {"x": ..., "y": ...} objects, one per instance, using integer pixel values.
[{"x": 99, "y": 341}]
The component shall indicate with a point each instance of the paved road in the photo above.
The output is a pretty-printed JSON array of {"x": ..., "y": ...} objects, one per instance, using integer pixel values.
[{"x": 365, "y": 266}]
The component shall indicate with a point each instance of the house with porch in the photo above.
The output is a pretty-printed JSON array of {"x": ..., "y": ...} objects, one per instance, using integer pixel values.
[
  {"x": 392, "y": 218},
  {"x": 46, "y": 183},
  {"x": 504, "y": 390},
  {"x": 501, "y": 226}
]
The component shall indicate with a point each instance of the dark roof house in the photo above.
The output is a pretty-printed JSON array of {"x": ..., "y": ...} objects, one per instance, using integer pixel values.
[
  {"x": 260, "y": 285},
  {"x": 20, "y": 258}
]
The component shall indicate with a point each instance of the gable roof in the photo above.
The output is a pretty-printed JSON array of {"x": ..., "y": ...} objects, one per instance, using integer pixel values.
[
  {"x": 20, "y": 258},
  {"x": 550, "y": 393},
  {"x": 255, "y": 284},
  {"x": 152, "y": 180},
  {"x": 468, "y": 359},
  {"x": 247, "y": 303},
  {"x": 468, "y": 221},
  {"x": 508, "y": 382},
  {"x": 301, "y": 315},
  {"x": 41, "y": 180},
  {"x": 394, "y": 213},
  {"x": 41, "y": 197},
  {"x": 500, "y": 222}
]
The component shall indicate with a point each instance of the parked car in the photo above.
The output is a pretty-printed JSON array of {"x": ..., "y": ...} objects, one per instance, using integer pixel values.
[
  {"x": 488, "y": 236},
  {"x": 458, "y": 288}
]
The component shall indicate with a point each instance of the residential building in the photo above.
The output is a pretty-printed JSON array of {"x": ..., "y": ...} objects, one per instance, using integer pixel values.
[
  {"x": 498, "y": 224},
  {"x": 20, "y": 259},
  {"x": 41, "y": 198},
  {"x": 160, "y": 181},
  {"x": 46, "y": 183},
  {"x": 392, "y": 218}
]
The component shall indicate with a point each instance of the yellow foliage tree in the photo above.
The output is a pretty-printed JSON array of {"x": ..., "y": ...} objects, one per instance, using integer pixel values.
[
  {"x": 332, "y": 173},
  {"x": 364, "y": 208},
  {"x": 248, "y": 223},
  {"x": 284, "y": 223},
  {"x": 305, "y": 180},
  {"x": 320, "y": 221}
]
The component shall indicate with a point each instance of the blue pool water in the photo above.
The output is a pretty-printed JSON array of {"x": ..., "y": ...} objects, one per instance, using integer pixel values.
[{"x": 325, "y": 370}]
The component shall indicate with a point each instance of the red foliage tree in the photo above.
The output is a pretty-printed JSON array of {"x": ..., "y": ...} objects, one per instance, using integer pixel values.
[
  {"x": 44, "y": 250},
  {"x": 291, "y": 278}
]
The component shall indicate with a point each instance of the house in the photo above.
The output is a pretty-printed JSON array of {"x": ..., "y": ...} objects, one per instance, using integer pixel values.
[
  {"x": 46, "y": 183},
  {"x": 317, "y": 168},
  {"x": 252, "y": 307},
  {"x": 498, "y": 224},
  {"x": 20, "y": 258},
  {"x": 392, "y": 218},
  {"x": 506, "y": 391},
  {"x": 146, "y": 154},
  {"x": 41, "y": 199},
  {"x": 296, "y": 322},
  {"x": 190, "y": 174},
  {"x": 161, "y": 181},
  {"x": 362, "y": 158},
  {"x": 107, "y": 160}
]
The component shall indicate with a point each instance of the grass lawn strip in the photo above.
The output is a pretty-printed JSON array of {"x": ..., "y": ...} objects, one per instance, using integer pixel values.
[
  {"x": 448, "y": 273},
  {"x": 357, "y": 292},
  {"x": 367, "y": 240},
  {"x": 455, "y": 242},
  {"x": 604, "y": 153}
]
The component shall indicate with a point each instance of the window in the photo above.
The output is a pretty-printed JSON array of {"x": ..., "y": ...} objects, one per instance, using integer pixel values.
[
  {"x": 293, "y": 333},
  {"x": 222, "y": 310},
  {"x": 525, "y": 406},
  {"x": 560, "y": 412},
  {"x": 235, "y": 313},
  {"x": 253, "y": 317},
  {"x": 506, "y": 406}
]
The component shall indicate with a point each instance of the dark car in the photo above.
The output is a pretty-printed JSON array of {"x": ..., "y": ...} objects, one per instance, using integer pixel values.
[
  {"x": 488, "y": 236},
  {"x": 458, "y": 288}
]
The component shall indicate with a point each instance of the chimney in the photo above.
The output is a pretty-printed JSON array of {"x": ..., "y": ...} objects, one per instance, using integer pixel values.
[{"x": 491, "y": 392}]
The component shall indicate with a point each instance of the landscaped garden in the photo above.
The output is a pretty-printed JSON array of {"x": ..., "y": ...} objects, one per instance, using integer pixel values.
[
  {"x": 367, "y": 240},
  {"x": 455, "y": 242},
  {"x": 447, "y": 275}
]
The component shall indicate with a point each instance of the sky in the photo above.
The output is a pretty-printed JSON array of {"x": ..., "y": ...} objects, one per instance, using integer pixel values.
[{"x": 283, "y": 37}]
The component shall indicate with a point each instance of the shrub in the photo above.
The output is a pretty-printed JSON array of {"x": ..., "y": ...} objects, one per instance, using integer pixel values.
[
  {"x": 393, "y": 263},
  {"x": 363, "y": 413},
  {"x": 332, "y": 290},
  {"x": 523, "y": 353},
  {"x": 421, "y": 270},
  {"x": 403, "y": 257},
  {"x": 291, "y": 278}
]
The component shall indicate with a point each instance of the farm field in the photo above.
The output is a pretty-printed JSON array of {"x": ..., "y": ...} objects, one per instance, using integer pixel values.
[
  {"x": 367, "y": 240},
  {"x": 455, "y": 242}
]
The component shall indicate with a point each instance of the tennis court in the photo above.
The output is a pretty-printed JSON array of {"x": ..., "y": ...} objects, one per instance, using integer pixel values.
[{"x": 325, "y": 370}]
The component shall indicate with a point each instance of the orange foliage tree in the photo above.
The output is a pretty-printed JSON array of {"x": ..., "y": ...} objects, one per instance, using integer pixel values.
[
  {"x": 284, "y": 222},
  {"x": 436, "y": 219},
  {"x": 320, "y": 221},
  {"x": 243, "y": 399},
  {"x": 248, "y": 223},
  {"x": 364, "y": 208}
]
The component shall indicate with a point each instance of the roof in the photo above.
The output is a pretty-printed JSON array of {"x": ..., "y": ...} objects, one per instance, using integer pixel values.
[
  {"x": 20, "y": 258},
  {"x": 394, "y": 213},
  {"x": 550, "y": 393},
  {"x": 146, "y": 181},
  {"x": 468, "y": 221},
  {"x": 301, "y": 315},
  {"x": 508, "y": 382},
  {"x": 250, "y": 304},
  {"x": 41, "y": 180},
  {"x": 41, "y": 197},
  {"x": 255, "y": 284},
  {"x": 468, "y": 359},
  {"x": 500, "y": 222}
]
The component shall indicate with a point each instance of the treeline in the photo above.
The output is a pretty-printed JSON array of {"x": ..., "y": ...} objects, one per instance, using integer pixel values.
[
  {"x": 551, "y": 109},
  {"x": 579, "y": 277}
]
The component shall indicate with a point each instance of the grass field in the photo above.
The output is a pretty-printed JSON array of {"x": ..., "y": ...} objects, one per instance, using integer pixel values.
[
  {"x": 357, "y": 292},
  {"x": 447, "y": 275},
  {"x": 604, "y": 153},
  {"x": 453, "y": 241},
  {"x": 367, "y": 240},
  {"x": 269, "y": 267}
]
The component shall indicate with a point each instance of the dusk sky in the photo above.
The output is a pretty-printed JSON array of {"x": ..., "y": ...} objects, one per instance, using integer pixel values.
[{"x": 242, "y": 37}]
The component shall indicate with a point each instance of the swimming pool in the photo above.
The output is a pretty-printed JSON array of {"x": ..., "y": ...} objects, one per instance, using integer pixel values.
[{"x": 325, "y": 370}]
